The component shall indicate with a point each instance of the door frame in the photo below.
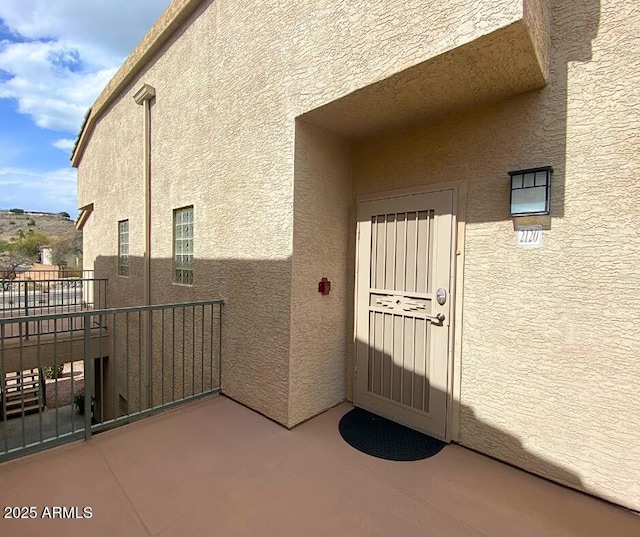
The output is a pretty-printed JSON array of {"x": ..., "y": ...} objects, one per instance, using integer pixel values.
[{"x": 454, "y": 358}]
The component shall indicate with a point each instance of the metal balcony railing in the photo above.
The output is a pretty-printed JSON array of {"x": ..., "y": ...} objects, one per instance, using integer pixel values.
[
  {"x": 98, "y": 369},
  {"x": 60, "y": 273},
  {"x": 23, "y": 298}
]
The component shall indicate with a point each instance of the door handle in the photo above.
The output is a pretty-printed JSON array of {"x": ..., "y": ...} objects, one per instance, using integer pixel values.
[{"x": 438, "y": 318}]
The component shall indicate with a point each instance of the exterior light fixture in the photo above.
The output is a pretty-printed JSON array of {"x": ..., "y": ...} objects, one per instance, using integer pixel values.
[{"x": 530, "y": 191}]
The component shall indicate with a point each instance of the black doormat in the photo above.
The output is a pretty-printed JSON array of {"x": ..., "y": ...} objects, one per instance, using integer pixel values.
[{"x": 385, "y": 439}]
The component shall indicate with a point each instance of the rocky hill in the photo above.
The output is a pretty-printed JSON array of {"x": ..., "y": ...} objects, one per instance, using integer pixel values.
[{"x": 54, "y": 226}]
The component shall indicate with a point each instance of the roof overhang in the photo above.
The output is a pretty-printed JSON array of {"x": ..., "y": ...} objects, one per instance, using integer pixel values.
[
  {"x": 493, "y": 67},
  {"x": 85, "y": 212}
]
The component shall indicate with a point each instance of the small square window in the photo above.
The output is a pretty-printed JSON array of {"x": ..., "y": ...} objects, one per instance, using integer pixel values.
[
  {"x": 123, "y": 248},
  {"x": 183, "y": 245}
]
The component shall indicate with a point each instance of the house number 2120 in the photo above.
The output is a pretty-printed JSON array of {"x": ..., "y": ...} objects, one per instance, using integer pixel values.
[{"x": 530, "y": 236}]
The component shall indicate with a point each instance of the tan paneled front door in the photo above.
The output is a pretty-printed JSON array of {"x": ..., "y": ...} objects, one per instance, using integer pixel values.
[{"x": 403, "y": 308}]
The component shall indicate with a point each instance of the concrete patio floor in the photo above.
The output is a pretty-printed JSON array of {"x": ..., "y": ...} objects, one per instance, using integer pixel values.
[{"x": 215, "y": 468}]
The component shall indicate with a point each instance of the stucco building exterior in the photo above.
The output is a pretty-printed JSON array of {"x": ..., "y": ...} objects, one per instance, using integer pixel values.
[{"x": 351, "y": 140}]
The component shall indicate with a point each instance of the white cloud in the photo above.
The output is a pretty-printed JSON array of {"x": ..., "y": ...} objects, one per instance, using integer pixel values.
[
  {"x": 64, "y": 144},
  {"x": 58, "y": 57},
  {"x": 56, "y": 189},
  {"x": 72, "y": 50},
  {"x": 46, "y": 87},
  {"x": 113, "y": 26}
]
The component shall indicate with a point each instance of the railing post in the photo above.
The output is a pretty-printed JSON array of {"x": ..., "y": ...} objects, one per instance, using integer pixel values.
[
  {"x": 26, "y": 307},
  {"x": 220, "y": 347},
  {"x": 87, "y": 375},
  {"x": 3, "y": 382}
]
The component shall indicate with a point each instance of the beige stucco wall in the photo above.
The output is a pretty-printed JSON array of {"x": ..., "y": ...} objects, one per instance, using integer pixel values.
[
  {"x": 319, "y": 324},
  {"x": 116, "y": 192},
  {"x": 537, "y": 16},
  {"x": 229, "y": 84},
  {"x": 549, "y": 355},
  {"x": 548, "y": 361}
]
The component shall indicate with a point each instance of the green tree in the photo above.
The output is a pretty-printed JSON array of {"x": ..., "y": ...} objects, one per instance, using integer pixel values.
[{"x": 28, "y": 244}]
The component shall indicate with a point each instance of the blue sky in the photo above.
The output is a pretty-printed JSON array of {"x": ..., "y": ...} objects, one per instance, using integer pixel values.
[{"x": 55, "y": 58}]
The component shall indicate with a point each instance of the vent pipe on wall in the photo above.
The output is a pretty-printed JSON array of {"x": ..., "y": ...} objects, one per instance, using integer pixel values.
[{"x": 143, "y": 97}]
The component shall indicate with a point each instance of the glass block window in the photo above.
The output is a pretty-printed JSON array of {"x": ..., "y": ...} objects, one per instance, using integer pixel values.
[
  {"x": 183, "y": 245},
  {"x": 123, "y": 248}
]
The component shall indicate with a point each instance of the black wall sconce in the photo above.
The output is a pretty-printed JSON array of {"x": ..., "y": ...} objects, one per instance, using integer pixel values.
[{"x": 530, "y": 191}]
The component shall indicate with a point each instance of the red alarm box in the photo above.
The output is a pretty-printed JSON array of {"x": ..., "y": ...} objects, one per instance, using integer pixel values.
[{"x": 324, "y": 287}]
